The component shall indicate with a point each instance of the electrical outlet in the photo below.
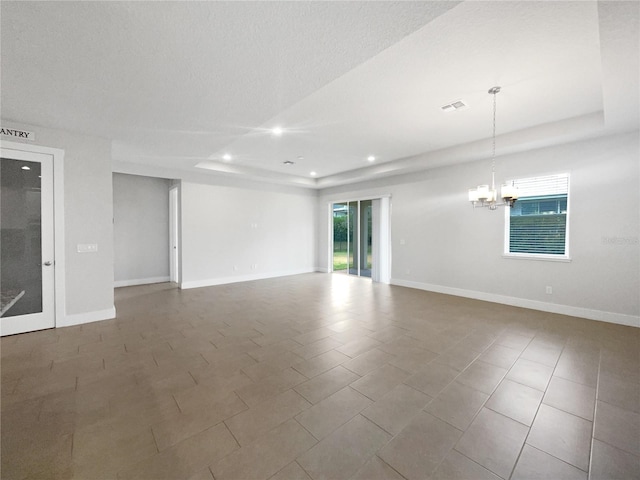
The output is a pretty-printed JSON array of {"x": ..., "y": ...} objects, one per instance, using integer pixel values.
[{"x": 549, "y": 290}]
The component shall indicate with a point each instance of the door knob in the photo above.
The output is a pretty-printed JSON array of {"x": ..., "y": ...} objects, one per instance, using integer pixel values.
[{"x": 48, "y": 263}]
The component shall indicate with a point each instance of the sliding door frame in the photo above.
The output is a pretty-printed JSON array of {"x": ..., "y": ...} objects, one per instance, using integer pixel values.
[{"x": 381, "y": 236}]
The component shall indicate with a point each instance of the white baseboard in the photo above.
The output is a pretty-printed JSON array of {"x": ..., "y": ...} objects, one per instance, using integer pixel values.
[
  {"x": 322, "y": 269},
  {"x": 140, "y": 281},
  {"x": 87, "y": 317},
  {"x": 610, "y": 317},
  {"x": 209, "y": 282}
]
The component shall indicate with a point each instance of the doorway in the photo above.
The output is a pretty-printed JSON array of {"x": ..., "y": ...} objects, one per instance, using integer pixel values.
[
  {"x": 174, "y": 255},
  {"x": 352, "y": 237},
  {"x": 27, "y": 250},
  {"x": 360, "y": 233}
]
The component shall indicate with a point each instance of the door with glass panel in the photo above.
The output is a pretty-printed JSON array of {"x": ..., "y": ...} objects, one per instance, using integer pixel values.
[
  {"x": 26, "y": 241},
  {"x": 352, "y": 237}
]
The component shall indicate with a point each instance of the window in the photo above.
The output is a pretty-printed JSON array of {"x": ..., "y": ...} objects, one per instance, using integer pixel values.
[{"x": 537, "y": 225}]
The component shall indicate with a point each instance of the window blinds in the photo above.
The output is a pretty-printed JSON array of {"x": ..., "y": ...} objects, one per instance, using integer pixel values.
[
  {"x": 541, "y": 186},
  {"x": 533, "y": 227}
]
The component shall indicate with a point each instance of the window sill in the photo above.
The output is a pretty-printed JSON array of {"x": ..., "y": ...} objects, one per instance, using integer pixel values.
[{"x": 532, "y": 256}]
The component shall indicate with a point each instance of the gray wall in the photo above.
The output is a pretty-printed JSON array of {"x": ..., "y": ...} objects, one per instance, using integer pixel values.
[
  {"x": 447, "y": 245},
  {"x": 450, "y": 247},
  {"x": 140, "y": 229},
  {"x": 88, "y": 207}
]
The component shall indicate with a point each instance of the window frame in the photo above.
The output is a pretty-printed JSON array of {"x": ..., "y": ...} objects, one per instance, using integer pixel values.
[{"x": 540, "y": 256}]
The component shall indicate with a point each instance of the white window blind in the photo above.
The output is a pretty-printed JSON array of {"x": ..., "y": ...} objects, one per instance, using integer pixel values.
[
  {"x": 537, "y": 224},
  {"x": 541, "y": 186}
]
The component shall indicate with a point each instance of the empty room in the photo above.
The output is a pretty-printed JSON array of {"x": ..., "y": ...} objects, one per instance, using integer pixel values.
[{"x": 320, "y": 240}]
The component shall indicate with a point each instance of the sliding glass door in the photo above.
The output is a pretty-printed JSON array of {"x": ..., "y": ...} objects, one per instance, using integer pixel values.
[
  {"x": 341, "y": 236},
  {"x": 352, "y": 237}
]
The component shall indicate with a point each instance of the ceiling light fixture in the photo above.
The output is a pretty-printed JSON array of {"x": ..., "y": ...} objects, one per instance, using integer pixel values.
[
  {"x": 288, "y": 162},
  {"x": 226, "y": 157},
  {"x": 277, "y": 131},
  {"x": 483, "y": 195},
  {"x": 313, "y": 174},
  {"x": 24, "y": 167},
  {"x": 371, "y": 158}
]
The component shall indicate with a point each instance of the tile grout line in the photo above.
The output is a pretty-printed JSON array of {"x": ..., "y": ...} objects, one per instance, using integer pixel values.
[
  {"x": 595, "y": 413},
  {"x": 376, "y": 455},
  {"x": 234, "y": 438}
]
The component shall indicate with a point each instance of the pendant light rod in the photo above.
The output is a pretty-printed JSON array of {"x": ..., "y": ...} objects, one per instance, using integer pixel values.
[
  {"x": 482, "y": 196},
  {"x": 493, "y": 91}
]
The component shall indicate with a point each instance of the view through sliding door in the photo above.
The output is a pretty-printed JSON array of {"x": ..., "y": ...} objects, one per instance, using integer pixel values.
[{"x": 352, "y": 237}]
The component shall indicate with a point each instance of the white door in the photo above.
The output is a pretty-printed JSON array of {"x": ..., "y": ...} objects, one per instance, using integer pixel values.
[
  {"x": 27, "y": 261},
  {"x": 173, "y": 235}
]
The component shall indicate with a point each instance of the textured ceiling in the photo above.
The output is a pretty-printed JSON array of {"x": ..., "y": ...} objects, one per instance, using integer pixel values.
[{"x": 180, "y": 84}]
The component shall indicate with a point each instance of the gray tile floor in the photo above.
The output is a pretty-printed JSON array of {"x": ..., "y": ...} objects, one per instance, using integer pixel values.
[{"x": 323, "y": 377}]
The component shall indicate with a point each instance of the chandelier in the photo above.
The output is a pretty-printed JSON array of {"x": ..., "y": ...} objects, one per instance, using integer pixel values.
[{"x": 485, "y": 195}]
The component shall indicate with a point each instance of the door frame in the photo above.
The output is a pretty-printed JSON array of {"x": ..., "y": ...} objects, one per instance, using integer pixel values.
[
  {"x": 174, "y": 234},
  {"x": 381, "y": 248},
  {"x": 59, "y": 310}
]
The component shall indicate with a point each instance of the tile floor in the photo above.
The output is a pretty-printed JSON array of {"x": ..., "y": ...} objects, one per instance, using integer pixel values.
[{"x": 322, "y": 377}]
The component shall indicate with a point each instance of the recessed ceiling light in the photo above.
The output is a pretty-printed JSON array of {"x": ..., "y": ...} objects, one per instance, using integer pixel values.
[
  {"x": 313, "y": 174},
  {"x": 288, "y": 162},
  {"x": 371, "y": 158},
  {"x": 24, "y": 167},
  {"x": 226, "y": 157},
  {"x": 300, "y": 158},
  {"x": 277, "y": 131}
]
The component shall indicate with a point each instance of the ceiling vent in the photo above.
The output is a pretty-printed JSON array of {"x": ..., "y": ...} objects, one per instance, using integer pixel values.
[{"x": 450, "y": 107}]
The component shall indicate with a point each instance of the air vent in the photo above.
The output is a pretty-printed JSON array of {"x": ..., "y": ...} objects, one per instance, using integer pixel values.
[{"x": 450, "y": 107}]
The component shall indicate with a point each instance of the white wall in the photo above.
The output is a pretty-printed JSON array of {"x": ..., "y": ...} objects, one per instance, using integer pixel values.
[
  {"x": 228, "y": 230},
  {"x": 140, "y": 229},
  {"x": 88, "y": 208},
  {"x": 452, "y": 248}
]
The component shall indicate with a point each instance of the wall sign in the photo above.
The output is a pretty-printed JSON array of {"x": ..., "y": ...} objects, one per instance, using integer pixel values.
[{"x": 15, "y": 133}]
